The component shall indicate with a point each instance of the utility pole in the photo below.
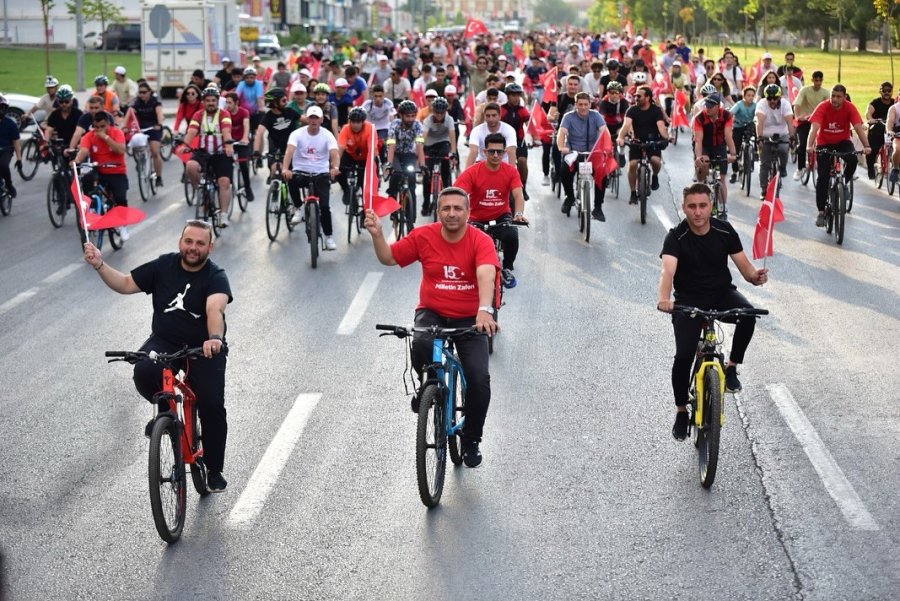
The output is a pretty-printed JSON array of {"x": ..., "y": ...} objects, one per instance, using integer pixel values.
[
  {"x": 79, "y": 47},
  {"x": 5, "y": 25}
]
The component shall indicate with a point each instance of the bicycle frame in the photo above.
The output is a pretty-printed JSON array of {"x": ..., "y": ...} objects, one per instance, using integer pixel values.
[
  {"x": 708, "y": 357},
  {"x": 445, "y": 368},
  {"x": 181, "y": 401}
]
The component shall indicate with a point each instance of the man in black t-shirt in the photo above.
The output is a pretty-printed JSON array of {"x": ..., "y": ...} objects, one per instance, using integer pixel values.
[
  {"x": 646, "y": 123},
  {"x": 695, "y": 261},
  {"x": 190, "y": 294},
  {"x": 279, "y": 121},
  {"x": 878, "y": 109}
]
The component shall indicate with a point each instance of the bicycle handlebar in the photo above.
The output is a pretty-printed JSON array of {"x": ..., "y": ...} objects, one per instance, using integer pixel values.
[
  {"x": 161, "y": 358},
  {"x": 436, "y": 331},
  {"x": 837, "y": 153},
  {"x": 718, "y": 313}
]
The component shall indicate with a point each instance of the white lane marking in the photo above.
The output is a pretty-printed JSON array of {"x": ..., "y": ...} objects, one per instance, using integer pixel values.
[
  {"x": 663, "y": 218},
  {"x": 17, "y": 300},
  {"x": 829, "y": 471},
  {"x": 61, "y": 273},
  {"x": 155, "y": 218},
  {"x": 273, "y": 461},
  {"x": 360, "y": 302}
]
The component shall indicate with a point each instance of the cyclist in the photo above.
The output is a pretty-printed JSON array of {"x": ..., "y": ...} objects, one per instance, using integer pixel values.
[
  {"x": 105, "y": 144},
  {"x": 148, "y": 111},
  {"x": 299, "y": 101},
  {"x": 831, "y": 122},
  {"x": 439, "y": 143},
  {"x": 744, "y": 113},
  {"x": 124, "y": 87},
  {"x": 490, "y": 184},
  {"x": 774, "y": 118},
  {"x": 251, "y": 95},
  {"x": 405, "y": 146},
  {"x": 695, "y": 262},
  {"x": 319, "y": 161},
  {"x": 613, "y": 74},
  {"x": 646, "y": 123},
  {"x": 805, "y": 103},
  {"x": 713, "y": 138},
  {"x": 492, "y": 125},
  {"x": 342, "y": 100},
  {"x": 240, "y": 132},
  {"x": 892, "y": 122},
  {"x": 514, "y": 114},
  {"x": 578, "y": 132},
  {"x": 279, "y": 122},
  {"x": 110, "y": 100},
  {"x": 353, "y": 145},
  {"x": 212, "y": 126},
  {"x": 188, "y": 105},
  {"x": 320, "y": 98},
  {"x": 397, "y": 88},
  {"x": 190, "y": 294},
  {"x": 9, "y": 143},
  {"x": 50, "y": 100},
  {"x": 379, "y": 111},
  {"x": 459, "y": 270},
  {"x": 61, "y": 123},
  {"x": 878, "y": 109}
]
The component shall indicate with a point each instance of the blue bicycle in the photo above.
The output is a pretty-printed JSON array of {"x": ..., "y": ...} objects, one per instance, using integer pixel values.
[{"x": 441, "y": 407}]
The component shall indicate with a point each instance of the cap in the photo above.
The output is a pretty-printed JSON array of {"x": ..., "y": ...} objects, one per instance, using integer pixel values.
[
  {"x": 340, "y": 82},
  {"x": 713, "y": 99},
  {"x": 298, "y": 87},
  {"x": 404, "y": 51},
  {"x": 314, "y": 111},
  {"x": 348, "y": 64},
  {"x": 256, "y": 59},
  {"x": 502, "y": 58},
  {"x": 225, "y": 59},
  {"x": 306, "y": 72},
  {"x": 120, "y": 70},
  {"x": 676, "y": 63},
  {"x": 429, "y": 93},
  {"x": 766, "y": 55},
  {"x": 382, "y": 57},
  {"x": 451, "y": 89},
  {"x": 495, "y": 45}
]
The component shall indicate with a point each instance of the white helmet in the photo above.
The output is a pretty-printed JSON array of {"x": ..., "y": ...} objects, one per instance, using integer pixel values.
[
  {"x": 707, "y": 89},
  {"x": 639, "y": 77},
  {"x": 51, "y": 82}
]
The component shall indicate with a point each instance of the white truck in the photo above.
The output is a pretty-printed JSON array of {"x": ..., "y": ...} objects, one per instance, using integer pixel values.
[{"x": 200, "y": 34}]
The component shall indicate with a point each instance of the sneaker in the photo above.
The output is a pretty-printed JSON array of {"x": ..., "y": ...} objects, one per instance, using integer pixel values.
[
  {"x": 732, "y": 384},
  {"x": 248, "y": 194},
  {"x": 820, "y": 219},
  {"x": 297, "y": 218},
  {"x": 509, "y": 280},
  {"x": 733, "y": 178},
  {"x": 525, "y": 194},
  {"x": 680, "y": 429},
  {"x": 762, "y": 196},
  {"x": 894, "y": 176},
  {"x": 215, "y": 482},
  {"x": 123, "y": 233},
  {"x": 545, "y": 181},
  {"x": 426, "y": 209},
  {"x": 159, "y": 183},
  {"x": 633, "y": 199},
  {"x": 597, "y": 214},
  {"x": 797, "y": 175},
  {"x": 414, "y": 403},
  {"x": 567, "y": 206},
  {"x": 12, "y": 191},
  {"x": 274, "y": 206},
  {"x": 470, "y": 452},
  {"x": 223, "y": 219},
  {"x": 654, "y": 182},
  {"x": 872, "y": 173},
  {"x": 329, "y": 243}
]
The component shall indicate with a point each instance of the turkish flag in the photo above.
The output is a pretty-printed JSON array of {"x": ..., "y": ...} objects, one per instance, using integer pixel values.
[
  {"x": 417, "y": 96},
  {"x": 82, "y": 203},
  {"x": 469, "y": 108},
  {"x": 791, "y": 88},
  {"x": 770, "y": 212},
  {"x": 679, "y": 115},
  {"x": 754, "y": 74},
  {"x": 520, "y": 55},
  {"x": 662, "y": 84},
  {"x": 116, "y": 217},
  {"x": 382, "y": 205},
  {"x": 602, "y": 156},
  {"x": 475, "y": 27},
  {"x": 551, "y": 85},
  {"x": 539, "y": 126},
  {"x": 314, "y": 68}
]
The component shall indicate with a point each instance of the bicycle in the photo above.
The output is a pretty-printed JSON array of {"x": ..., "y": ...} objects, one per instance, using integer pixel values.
[
  {"x": 5, "y": 199},
  {"x": 34, "y": 150},
  {"x": 775, "y": 165},
  {"x": 207, "y": 207},
  {"x": 174, "y": 440},
  {"x": 706, "y": 409},
  {"x": 101, "y": 203},
  {"x": 278, "y": 201},
  {"x": 239, "y": 186},
  {"x": 312, "y": 215},
  {"x": 809, "y": 171},
  {"x": 615, "y": 177},
  {"x": 714, "y": 181},
  {"x": 355, "y": 214},
  {"x": 644, "y": 171},
  {"x": 59, "y": 199},
  {"x": 883, "y": 161},
  {"x": 584, "y": 194},
  {"x": 403, "y": 218},
  {"x": 432, "y": 173},
  {"x": 146, "y": 175},
  {"x": 441, "y": 415},
  {"x": 166, "y": 143},
  {"x": 747, "y": 156},
  {"x": 838, "y": 192}
]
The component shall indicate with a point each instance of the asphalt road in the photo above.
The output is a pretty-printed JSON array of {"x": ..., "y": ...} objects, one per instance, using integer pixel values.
[{"x": 583, "y": 493}]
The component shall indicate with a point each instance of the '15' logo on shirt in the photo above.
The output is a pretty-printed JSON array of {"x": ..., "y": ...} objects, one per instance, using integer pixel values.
[
  {"x": 452, "y": 272},
  {"x": 310, "y": 150},
  {"x": 491, "y": 194}
]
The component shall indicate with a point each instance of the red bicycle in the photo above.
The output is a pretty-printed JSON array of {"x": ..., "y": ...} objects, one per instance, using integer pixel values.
[{"x": 174, "y": 440}]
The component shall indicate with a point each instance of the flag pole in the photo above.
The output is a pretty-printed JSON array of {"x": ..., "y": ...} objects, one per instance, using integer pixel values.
[
  {"x": 769, "y": 231},
  {"x": 79, "y": 202}
]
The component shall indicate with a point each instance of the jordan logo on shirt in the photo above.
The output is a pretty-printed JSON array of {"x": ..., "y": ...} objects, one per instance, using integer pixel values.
[{"x": 177, "y": 303}]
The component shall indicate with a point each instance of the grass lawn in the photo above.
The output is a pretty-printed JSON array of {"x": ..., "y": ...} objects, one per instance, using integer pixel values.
[
  {"x": 862, "y": 73},
  {"x": 22, "y": 70}
]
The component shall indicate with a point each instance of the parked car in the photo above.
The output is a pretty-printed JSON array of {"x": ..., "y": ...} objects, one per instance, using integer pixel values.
[
  {"x": 268, "y": 44},
  {"x": 19, "y": 104},
  {"x": 122, "y": 36}
]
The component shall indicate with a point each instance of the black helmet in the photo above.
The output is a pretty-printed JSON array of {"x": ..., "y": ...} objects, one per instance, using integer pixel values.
[
  {"x": 612, "y": 64},
  {"x": 407, "y": 107},
  {"x": 357, "y": 114},
  {"x": 772, "y": 91},
  {"x": 101, "y": 80},
  {"x": 440, "y": 105},
  {"x": 274, "y": 95},
  {"x": 514, "y": 88},
  {"x": 210, "y": 91}
]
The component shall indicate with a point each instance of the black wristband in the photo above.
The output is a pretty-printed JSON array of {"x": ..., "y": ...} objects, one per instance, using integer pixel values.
[{"x": 215, "y": 337}]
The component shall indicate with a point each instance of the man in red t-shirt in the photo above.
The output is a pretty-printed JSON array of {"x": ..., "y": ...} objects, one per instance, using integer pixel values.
[
  {"x": 459, "y": 271},
  {"x": 490, "y": 185},
  {"x": 105, "y": 144},
  {"x": 830, "y": 130}
]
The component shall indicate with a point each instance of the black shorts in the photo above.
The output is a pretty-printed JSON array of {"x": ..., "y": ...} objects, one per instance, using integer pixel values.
[
  {"x": 634, "y": 154},
  {"x": 154, "y": 135},
  {"x": 717, "y": 151},
  {"x": 222, "y": 165},
  {"x": 521, "y": 151}
]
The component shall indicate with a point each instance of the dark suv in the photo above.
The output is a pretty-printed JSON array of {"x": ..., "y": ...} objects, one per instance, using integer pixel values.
[{"x": 122, "y": 36}]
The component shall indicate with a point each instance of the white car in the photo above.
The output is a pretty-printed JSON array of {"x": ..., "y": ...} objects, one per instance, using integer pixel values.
[
  {"x": 268, "y": 44},
  {"x": 19, "y": 104}
]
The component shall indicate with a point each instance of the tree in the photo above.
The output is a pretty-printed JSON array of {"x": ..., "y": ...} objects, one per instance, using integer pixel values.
[
  {"x": 555, "y": 11},
  {"x": 603, "y": 16},
  {"x": 98, "y": 10},
  {"x": 46, "y": 7}
]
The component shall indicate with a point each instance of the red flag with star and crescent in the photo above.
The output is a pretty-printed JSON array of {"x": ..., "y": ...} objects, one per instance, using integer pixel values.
[
  {"x": 475, "y": 27},
  {"x": 551, "y": 85},
  {"x": 602, "y": 156},
  {"x": 115, "y": 217},
  {"x": 771, "y": 211},
  {"x": 382, "y": 205}
]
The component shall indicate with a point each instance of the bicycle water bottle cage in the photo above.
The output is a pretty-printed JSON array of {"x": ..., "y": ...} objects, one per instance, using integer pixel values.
[{"x": 165, "y": 397}]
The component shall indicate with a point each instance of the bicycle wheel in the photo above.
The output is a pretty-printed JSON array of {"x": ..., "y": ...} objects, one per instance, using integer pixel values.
[
  {"x": 312, "y": 232},
  {"x": 644, "y": 193},
  {"x": 400, "y": 226},
  {"x": 587, "y": 190},
  {"x": 198, "y": 467},
  {"x": 56, "y": 201},
  {"x": 890, "y": 186},
  {"x": 839, "y": 213},
  {"x": 167, "y": 479},
  {"x": 830, "y": 209},
  {"x": 31, "y": 158},
  {"x": 5, "y": 202},
  {"x": 189, "y": 192},
  {"x": 747, "y": 170},
  {"x": 459, "y": 412},
  {"x": 849, "y": 195},
  {"x": 805, "y": 173},
  {"x": 165, "y": 143},
  {"x": 200, "y": 203},
  {"x": 431, "y": 446},
  {"x": 710, "y": 429},
  {"x": 212, "y": 207},
  {"x": 143, "y": 174},
  {"x": 352, "y": 216},
  {"x": 882, "y": 169},
  {"x": 115, "y": 239},
  {"x": 614, "y": 181},
  {"x": 273, "y": 211},
  {"x": 240, "y": 190}
]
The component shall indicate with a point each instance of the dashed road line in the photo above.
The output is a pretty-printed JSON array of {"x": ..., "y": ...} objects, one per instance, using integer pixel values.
[
  {"x": 360, "y": 302},
  {"x": 663, "y": 218}
]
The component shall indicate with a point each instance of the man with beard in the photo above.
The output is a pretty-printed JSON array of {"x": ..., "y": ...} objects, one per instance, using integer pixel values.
[{"x": 190, "y": 294}]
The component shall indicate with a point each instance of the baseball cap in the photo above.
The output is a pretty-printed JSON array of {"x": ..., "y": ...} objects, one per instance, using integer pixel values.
[
  {"x": 766, "y": 55},
  {"x": 340, "y": 82},
  {"x": 502, "y": 58},
  {"x": 676, "y": 63},
  {"x": 120, "y": 70},
  {"x": 225, "y": 59},
  {"x": 306, "y": 72},
  {"x": 713, "y": 99},
  {"x": 298, "y": 87},
  {"x": 314, "y": 111},
  {"x": 348, "y": 64},
  {"x": 382, "y": 57},
  {"x": 404, "y": 51},
  {"x": 256, "y": 59},
  {"x": 451, "y": 89},
  {"x": 430, "y": 93}
]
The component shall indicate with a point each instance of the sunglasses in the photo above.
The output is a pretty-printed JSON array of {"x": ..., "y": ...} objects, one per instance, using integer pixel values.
[
  {"x": 65, "y": 102},
  {"x": 494, "y": 151},
  {"x": 143, "y": 91}
]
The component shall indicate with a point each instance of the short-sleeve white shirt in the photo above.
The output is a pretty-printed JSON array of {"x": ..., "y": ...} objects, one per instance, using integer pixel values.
[{"x": 311, "y": 152}]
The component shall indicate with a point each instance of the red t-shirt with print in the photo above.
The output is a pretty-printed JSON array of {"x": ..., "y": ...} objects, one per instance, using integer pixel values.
[
  {"x": 449, "y": 282},
  {"x": 488, "y": 190},
  {"x": 101, "y": 153},
  {"x": 834, "y": 125}
]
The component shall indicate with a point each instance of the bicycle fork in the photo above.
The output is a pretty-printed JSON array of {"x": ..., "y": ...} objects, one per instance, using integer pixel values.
[{"x": 700, "y": 384}]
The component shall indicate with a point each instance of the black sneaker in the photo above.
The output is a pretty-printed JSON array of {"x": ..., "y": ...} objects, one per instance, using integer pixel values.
[
  {"x": 597, "y": 214},
  {"x": 12, "y": 191},
  {"x": 471, "y": 454},
  {"x": 871, "y": 172},
  {"x": 654, "y": 182},
  {"x": 249, "y": 195},
  {"x": 525, "y": 194},
  {"x": 159, "y": 183},
  {"x": 820, "y": 219},
  {"x": 732, "y": 384},
  {"x": 633, "y": 199},
  {"x": 680, "y": 429},
  {"x": 215, "y": 482},
  {"x": 414, "y": 403},
  {"x": 426, "y": 209},
  {"x": 567, "y": 206},
  {"x": 733, "y": 177}
]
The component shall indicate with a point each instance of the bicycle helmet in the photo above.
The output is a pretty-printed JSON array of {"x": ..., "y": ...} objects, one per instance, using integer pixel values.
[
  {"x": 65, "y": 92},
  {"x": 439, "y": 105},
  {"x": 357, "y": 114},
  {"x": 614, "y": 86},
  {"x": 210, "y": 91},
  {"x": 51, "y": 82},
  {"x": 612, "y": 64},
  {"x": 321, "y": 87},
  {"x": 639, "y": 77},
  {"x": 274, "y": 95},
  {"x": 514, "y": 88},
  {"x": 407, "y": 107},
  {"x": 707, "y": 89},
  {"x": 249, "y": 71},
  {"x": 772, "y": 91},
  {"x": 101, "y": 80}
]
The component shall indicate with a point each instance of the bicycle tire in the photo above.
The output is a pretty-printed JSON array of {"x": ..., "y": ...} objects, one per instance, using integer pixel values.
[
  {"x": 212, "y": 208},
  {"x": 31, "y": 159},
  {"x": 839, "y": 214},
  {"x": 586, "y": 215},
  {"x": 274, "y": 210},
  {"x": 645, "y": 194},
  {"x": 115, "y": 239},
  {"x": 190, "y": 193},
  {"x": 435, "y": 190},
  {"x": 56, "y": 201},
  {"x": 805, "y": 174},
  {"x": 241, "y": 189},
  {"x": 286, "y": 206},
  {"x": 454, "y": 443},
  {"x": 143, "y": 176},
  {"x": 675, "y": 131},
  {"x": 890, "y": 187},
  {"x": 198, "y": 467},
  {"x": 5, "y": 202},
  {"x": 849, "y": 196},
  {"x": 710, "y": 430},
  {"x": 312, "y": 221},
  {"x": 747, "y": 170},
  {"x": 200, "y": 203},
  {"x": 616, "y": 180},
  {"x": 352, "y": 216},
  {"x": 882, "y": 169},
  {"x": 829, "y": 210},
  {"x": 167, "y": 479},
  {"x": 165, "y": 143},
  {"x": 400, "y": 226},
  {"x": 431, "y": 446}
]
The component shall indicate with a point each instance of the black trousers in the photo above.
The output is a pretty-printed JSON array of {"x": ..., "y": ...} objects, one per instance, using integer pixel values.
[
  {"x": 398, "y": 172},
  {"x": 823, "y": 170},
  {"x": 322, "y": 187},
  {"x": 348, "y": 164},
  {"x": 567, "y": 176},
  {"x": 802, "y": 137},
  {"x": 473, "y": 354},
  {"x": 207, "y": 380},
  {"x": 508, "y": 237},
  {"x": 876, "y": 141},
  {"x": 6, "y": 156},
  {"x": 687, "y": 335},
  {"x": 433, "y": 156}
]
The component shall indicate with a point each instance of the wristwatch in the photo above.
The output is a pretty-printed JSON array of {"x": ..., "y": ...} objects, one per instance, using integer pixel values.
[{"x": 487, "y": 309}]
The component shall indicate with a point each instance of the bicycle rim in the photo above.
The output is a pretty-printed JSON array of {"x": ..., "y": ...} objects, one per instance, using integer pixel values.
[
  {"x": 352, "y": 221},
  {"x": 241, "y": 191},
  {"x": 586, "y": 216},
  {"x": 167, "y": 479},
  {"x": 643, "y": 193},
  {"x": 849, "y": 196},
  {"x": 198, "y": 467},
  {"x": 839, "y": 213},
  {"x": 189, "y": 191},
  {"x": 143, "y": 177},
  {"x": 56, "y": 202},
  {"x": 115, "y": 240},
  {"x": 431, "y": 447},
  {"x": 830, "y": 209},
  {"x": 312, "y": 220},
  {"x": 165, "y": 145},
  {"x": 459, "y": 412},
  {"x": 711, "y": 427},
  {"x": 30, "y": 160},
  {"x": 273, "y": 212}
]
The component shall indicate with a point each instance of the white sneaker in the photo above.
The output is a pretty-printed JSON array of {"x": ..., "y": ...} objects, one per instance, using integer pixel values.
[
  {"x": 329, "y": 243},
  {"x": 546, "y": 181},
  {"x": 123, "y": 233},
  {"x": 223, "y": 219},
  {"x": 297, "y": 219},
  {"x": 796, "y": 175}
]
